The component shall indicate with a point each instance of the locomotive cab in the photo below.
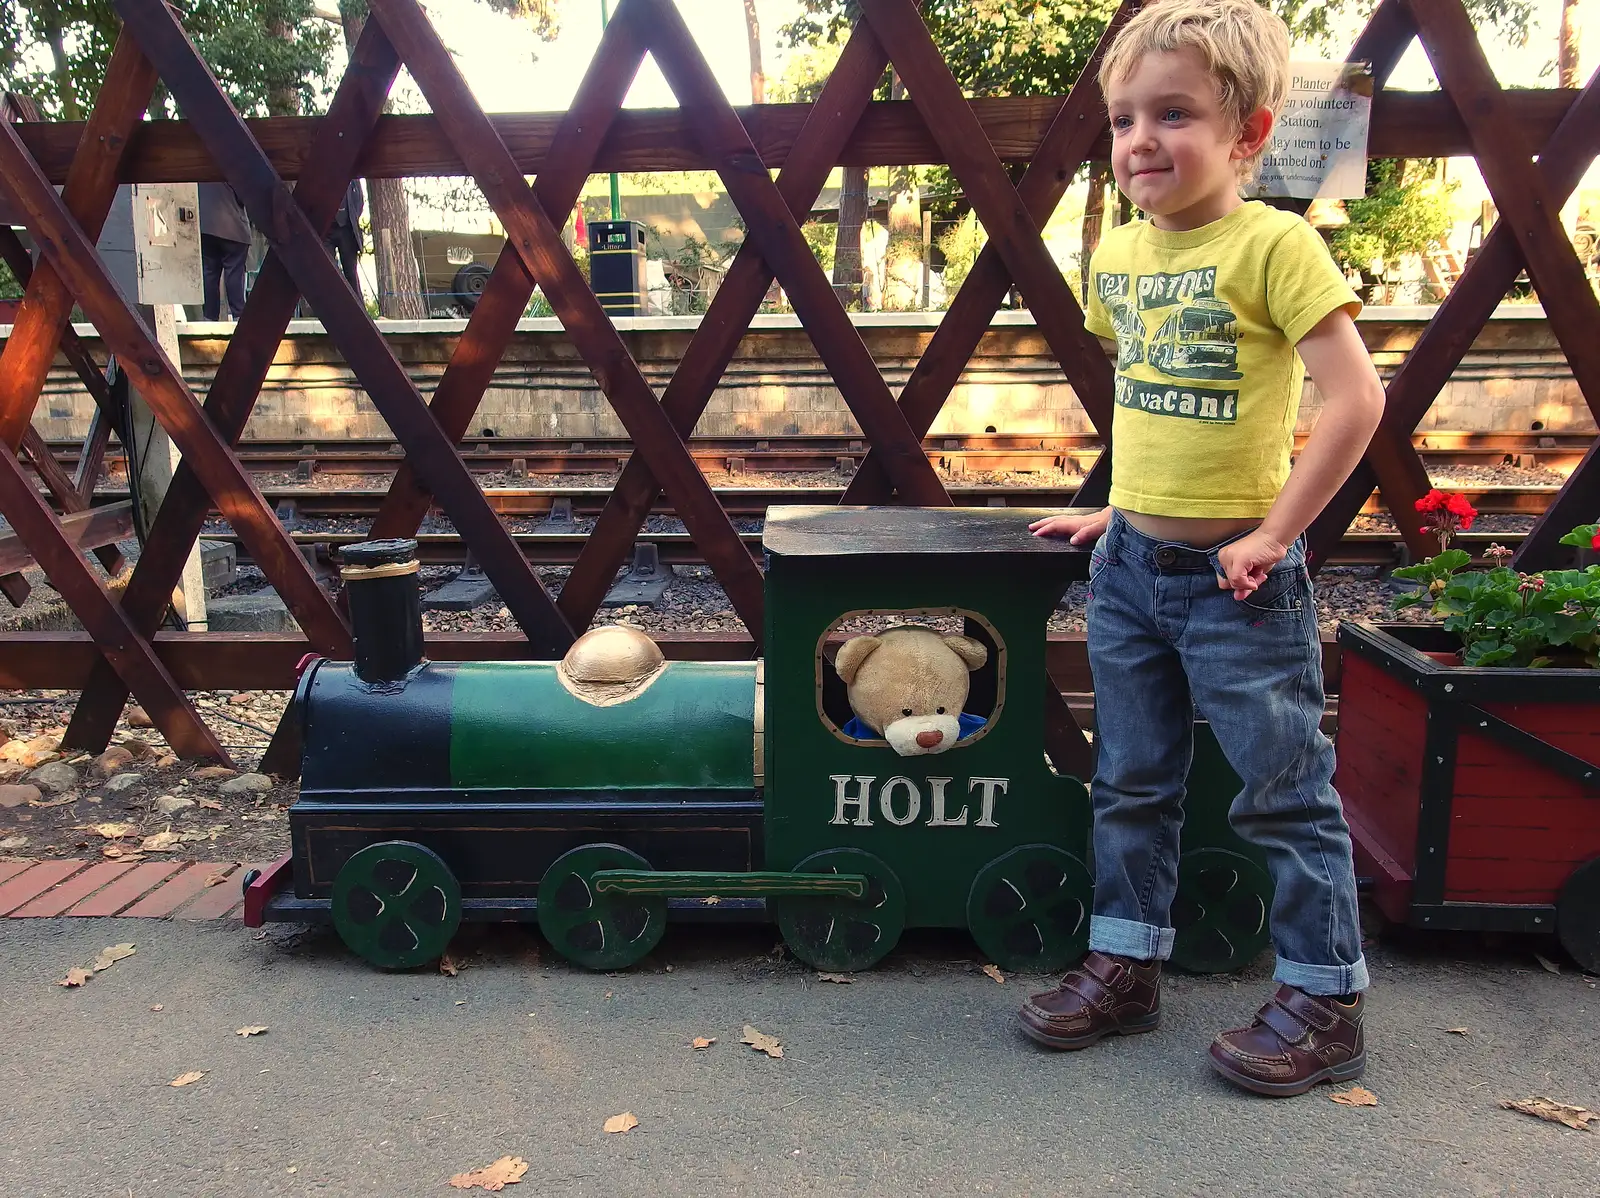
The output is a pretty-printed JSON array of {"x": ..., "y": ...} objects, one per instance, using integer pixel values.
[{"x": 984, "y": 835}]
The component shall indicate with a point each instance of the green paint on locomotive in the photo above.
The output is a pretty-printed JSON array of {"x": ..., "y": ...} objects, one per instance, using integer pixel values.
[
  {"x": 516, "y": 726},
  {"x": 937, "y": 819}
]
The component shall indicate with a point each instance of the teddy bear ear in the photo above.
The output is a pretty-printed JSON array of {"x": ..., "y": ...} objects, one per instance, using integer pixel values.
[
  {"x": 973, "y": 652},
  {"x": 852, "y": 653}
]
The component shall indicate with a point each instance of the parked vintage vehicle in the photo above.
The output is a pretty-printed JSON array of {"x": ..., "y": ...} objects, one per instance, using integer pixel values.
[{"x": 571, "y": 794}]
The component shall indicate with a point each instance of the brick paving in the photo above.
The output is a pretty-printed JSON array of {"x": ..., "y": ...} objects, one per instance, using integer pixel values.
[{"x": 151, "y": 889}]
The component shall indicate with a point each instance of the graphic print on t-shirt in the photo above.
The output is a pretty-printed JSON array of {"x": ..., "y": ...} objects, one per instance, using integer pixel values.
[{"x": 1198, "y": 339}]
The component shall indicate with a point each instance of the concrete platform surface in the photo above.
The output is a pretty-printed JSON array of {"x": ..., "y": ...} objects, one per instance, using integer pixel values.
[{"x": 911, "y": 1081}]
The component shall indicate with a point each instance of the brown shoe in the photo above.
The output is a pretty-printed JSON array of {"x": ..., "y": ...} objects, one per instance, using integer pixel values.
[
  {"x": 1103, "y": 996},
  {"x": 1296, "y": 1041}
]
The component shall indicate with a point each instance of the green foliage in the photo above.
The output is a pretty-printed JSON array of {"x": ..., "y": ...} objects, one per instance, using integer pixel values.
[
  {"x": 994, "y": 47},
  {"x": 1507, "y": 618},
  {"x": 1405, "y": 211},
  {"x": 960, "y": 245},
  {"x": 235, "y": 37},
  {"x": 1326, "y": 20},
  {"x": 821, "y": 238}
]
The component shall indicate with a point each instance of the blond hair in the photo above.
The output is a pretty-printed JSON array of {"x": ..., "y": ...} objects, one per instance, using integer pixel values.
[{"x": 1245, "y": 49}]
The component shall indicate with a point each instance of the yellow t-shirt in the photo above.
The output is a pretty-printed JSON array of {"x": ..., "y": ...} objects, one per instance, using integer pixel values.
[{"x": 1208, "y": 380}]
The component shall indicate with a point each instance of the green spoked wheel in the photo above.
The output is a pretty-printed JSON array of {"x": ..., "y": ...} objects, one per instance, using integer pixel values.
[
  {"x": 1220, "y": 911},
  {"x": 1578, "y": 915},
  {"x": 842, "y": 934},
  {"x": 598, "y": 931},
  {"x": 396, "y": 904},
  {"x": 1029, "y": 909}
]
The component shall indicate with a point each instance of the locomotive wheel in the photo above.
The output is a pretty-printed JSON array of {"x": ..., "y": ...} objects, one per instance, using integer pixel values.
[
  {"x": 396, "y": 904},
  {"x": 1029, "y": 909},
  {"x": 840, "y": 935},
  {"x": 1220, "y": 911},
  {"x": 1578, "y": 916},
  {"x": 598, "y": 931}
]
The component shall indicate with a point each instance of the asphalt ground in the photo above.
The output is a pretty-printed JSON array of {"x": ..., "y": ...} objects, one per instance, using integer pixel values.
[{"x": 912, "y": 1080}]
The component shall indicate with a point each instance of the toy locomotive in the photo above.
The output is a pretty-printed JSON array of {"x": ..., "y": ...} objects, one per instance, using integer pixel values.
[{"x": 606, "y": 793}]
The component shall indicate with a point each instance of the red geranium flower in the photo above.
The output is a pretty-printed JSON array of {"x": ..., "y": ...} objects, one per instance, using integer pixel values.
[
  {"x": 1595, "y": 544},
  {"x": 1432, "y": 501}
]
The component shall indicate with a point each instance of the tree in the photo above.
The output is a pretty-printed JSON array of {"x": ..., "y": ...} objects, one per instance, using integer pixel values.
[
  {"x": 1569, "y": 72},
  {"x": 752, "y": 32},
  {"x": 269, "y": 55}
]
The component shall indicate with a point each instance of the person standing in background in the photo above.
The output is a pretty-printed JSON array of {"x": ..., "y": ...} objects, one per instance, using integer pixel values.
[
  {"x": 224, "y": 242},
  {"x": 344, "y": 235}
]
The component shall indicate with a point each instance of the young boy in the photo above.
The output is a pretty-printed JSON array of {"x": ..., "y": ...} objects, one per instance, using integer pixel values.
[{"x": 1199, "y": 596}]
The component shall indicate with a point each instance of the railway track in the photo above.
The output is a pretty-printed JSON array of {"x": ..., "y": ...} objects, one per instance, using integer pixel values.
[
  {"x": 323, "y": 503},
  {"x": 677, "y": 548},
  {"x": 970, "y": 452}
]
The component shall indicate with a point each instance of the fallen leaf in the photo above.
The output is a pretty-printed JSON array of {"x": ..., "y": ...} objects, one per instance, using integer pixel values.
[
  {"x": 161, "y": 842},
  {"x": 61, "y": 802},
  {"x": 448, "y": 966},
  {"x": 842, "y": 979},
  {"x": 622, "y": 1122},
  {"x": 1457, "y": 1031},
  {"x": 184, "y": 1079},
  {"x": 208, "y": 804},
  {"x": 157, "y": 1007},
  {"x": 994, "y": 972},
  {"x": 1355, "y": 1096},
  {"x": 761, "y": 1042},
  {"x": 703, "y": 1041},
  {"x": 508, "y": 1170},
  {"x": 1549, "y": 965},
  {"x": 110, "y": 955},
  {"x": 76, "y": 976},
  {"x": 218, "y": 878},
  {"x": 255, "y": 1030},
  {"x": 112, "y": 831},
  {"x": 117, "y": 853},
  {"x": 1556, "y": 1112},
  {"x": 14, "y": 842}
]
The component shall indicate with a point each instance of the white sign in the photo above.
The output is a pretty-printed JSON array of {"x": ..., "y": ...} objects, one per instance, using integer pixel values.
[
  {"x": 1319, "y": 148},
  {"x": 900, "y": 802}
]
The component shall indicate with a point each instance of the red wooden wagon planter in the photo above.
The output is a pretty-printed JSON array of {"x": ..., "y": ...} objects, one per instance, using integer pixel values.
[{"x": 1473, "y": 795}]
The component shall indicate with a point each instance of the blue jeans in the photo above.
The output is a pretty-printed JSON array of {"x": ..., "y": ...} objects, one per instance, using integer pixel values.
[{"x": 1166, "y": 641}]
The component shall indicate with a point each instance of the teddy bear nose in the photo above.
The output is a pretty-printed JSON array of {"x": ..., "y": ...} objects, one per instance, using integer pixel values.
[{"x": 929, "y": 738}]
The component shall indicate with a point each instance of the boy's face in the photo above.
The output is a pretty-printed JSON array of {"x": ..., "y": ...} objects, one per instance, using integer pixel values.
[{"x": 1174, "y": 151}]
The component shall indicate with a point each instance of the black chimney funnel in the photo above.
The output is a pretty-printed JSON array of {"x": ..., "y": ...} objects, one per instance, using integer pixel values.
[{"x": 382, "y": 583}]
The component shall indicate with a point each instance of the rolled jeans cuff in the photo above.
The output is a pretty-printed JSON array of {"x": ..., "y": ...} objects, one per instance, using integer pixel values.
[
  {"x": 1324, "y": 980},
  {"x": 1130, "y": 938}
]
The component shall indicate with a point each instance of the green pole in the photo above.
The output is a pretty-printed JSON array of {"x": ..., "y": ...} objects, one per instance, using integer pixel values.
[{"x": 616, "y": 196}]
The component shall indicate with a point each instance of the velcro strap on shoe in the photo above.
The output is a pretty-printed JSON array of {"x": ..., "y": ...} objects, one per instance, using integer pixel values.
[
  {"x": 1283, "y": 1021},
  {"x": 1310, "y": 1009},
  {"x": 1089, "y": 988},
  {"x": 1103, "y": 969}
]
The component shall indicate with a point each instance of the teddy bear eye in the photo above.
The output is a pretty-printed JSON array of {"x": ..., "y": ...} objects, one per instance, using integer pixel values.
[
  {"x": 940, "y": 711},
  {"x": 905, "y": 711}
]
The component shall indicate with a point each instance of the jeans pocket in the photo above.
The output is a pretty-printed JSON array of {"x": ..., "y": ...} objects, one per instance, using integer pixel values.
[{"x": 1282, "y": 596}]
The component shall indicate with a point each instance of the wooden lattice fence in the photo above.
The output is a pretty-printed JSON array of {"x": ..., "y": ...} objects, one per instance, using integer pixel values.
[{"x": 123, "y": 652}]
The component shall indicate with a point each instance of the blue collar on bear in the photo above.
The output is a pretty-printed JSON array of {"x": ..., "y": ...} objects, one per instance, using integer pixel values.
[{"x": 858, "y": 729}]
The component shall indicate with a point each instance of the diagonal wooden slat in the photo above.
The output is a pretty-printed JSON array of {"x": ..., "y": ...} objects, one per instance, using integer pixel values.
[
  {"x": 73, "y": 256},
  {"x": 237, "y": 383},
  {"x": 1454, "y": 327},
  {"x": 1530, "y": 210},
  {"x": 1065, "y": 147},
  {"x": 505, "y": 297},
  {"x": 538, "y": 242},
  {"x": 844, "y": 98},
  {"x": 773, "y": 228},
  {"x": 90, "y": 188},
  {"x": 272, "y": 209},
  {"x": 1006, "y": 220},
  {"x": 129, "y": 653}
]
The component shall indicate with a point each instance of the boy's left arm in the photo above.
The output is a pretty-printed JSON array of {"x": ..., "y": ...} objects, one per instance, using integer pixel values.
[{"x": 1338, "y": 363}]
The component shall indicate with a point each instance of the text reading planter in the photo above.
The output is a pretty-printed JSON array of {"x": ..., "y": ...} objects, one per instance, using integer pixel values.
[{"x": 1473, "y": 794}]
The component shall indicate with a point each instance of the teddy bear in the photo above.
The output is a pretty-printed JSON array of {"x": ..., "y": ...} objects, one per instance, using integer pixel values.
[{"x": 907, "y": 685}]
